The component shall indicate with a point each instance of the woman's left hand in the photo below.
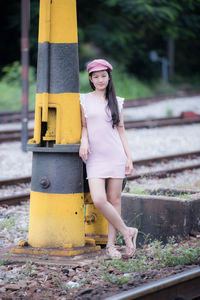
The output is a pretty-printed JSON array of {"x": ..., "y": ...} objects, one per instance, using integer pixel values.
[{"x": 129, "y": 167}]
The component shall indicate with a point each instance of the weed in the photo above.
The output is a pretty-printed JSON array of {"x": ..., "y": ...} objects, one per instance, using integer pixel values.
[
  {"x": 119, "y": 239},
  {"x": 116, "y": 279},
  {"x": 138, "y": 191},
  {"x": 186, "y": 195},
  {"x": 29, "y": 269},
  {"x": 169, "y": 112},
  {"x": 5, "y": 260},
  {"x": 84, "y": 280},
  {"x": 7, "y": 223},
  {"x": 58, "y": 282},
  {"x": 146, "y": 238},
  {"x": 155, "y": 255}
]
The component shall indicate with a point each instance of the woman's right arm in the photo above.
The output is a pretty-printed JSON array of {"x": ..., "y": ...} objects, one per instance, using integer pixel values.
[{"x": 84, "y": 146}]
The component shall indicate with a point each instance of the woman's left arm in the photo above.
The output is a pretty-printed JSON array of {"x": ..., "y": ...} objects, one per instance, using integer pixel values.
[{"x": 122, "y": 134}]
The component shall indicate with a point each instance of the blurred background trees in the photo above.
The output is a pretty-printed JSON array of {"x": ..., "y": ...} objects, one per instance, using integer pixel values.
[{"x": 122, "y": 31}]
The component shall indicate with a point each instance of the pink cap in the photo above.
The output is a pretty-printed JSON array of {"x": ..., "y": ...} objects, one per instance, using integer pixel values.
[{"x": 98, "y": 65}]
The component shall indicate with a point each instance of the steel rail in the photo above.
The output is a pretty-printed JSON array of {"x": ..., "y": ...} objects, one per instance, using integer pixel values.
[
  {"x": 190, "y": 154},
  {"x": 17, "y": 180},
  {"x": 185, "y": 284},
  {"x": 163, "y": 173},
  {"x": 14, "y": 199},
  {"x": 15, "y": 135},
  {"x": 160, "y": 122},
  {"x": 12, "y": 135},
  {"x": 15, "y": 116},
  {"x": 145, "y": 101},
  {"x": 13, "y": 181}
]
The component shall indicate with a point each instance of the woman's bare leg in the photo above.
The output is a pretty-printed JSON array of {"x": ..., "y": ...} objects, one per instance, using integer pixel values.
[
  {"x": 99, "y": 197},
  {"x": 114, "y": 190},
  {"x": 98, "y": 194}
]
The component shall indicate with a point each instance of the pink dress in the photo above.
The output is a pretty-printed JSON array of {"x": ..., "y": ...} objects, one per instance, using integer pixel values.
[{"x": 107, "y": 158}]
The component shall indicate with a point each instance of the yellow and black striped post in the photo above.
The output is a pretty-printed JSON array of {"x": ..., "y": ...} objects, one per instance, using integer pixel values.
[{"x": 57, "y": 219}]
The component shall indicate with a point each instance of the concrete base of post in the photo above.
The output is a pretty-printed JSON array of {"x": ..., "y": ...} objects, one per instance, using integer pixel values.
[{"x": 66, "y": 250}]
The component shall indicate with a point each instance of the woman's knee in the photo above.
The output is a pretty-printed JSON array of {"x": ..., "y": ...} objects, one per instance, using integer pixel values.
[
  {"x": 99, "y": 201},
  {"x": 114, "y": 199}
]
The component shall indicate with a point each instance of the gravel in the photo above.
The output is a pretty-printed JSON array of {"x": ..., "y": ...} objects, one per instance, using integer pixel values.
[
  {"x": 13, "y": 161},
  {"x": 146, "y": 143},
  {"x": 14, "y": 224},
  {"x": 166, "y": 108}
]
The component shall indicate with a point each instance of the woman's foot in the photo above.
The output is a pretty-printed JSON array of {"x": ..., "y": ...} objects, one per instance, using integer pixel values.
[
  {"x": 112, "y": 252},
  {"x": 130, "y": 240}
]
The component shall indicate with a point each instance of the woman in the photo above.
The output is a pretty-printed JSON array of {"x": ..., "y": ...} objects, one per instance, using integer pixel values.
[{"x": 104, "y": 148}]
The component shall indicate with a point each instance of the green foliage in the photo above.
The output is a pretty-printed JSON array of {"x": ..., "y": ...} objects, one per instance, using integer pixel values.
[
  {"x": 7, "y": 223},
  {"x": 10, "y": 87},
  {"x": 138, "y": 191},
  {"x": 155, "y": 255},
  {"x": 173, "y": 256},
  {"x": 29, "y": 269},
  {"x": 119, "y": 239},
  {"x": 5, "y": 260},
  {"x": 127, "y": 86},
  {"x": 115, "y": 279},
  {"x": 169, "y": 112},
  {"x": 131, "y": 29},
  {"x": 122, "y": 30}
]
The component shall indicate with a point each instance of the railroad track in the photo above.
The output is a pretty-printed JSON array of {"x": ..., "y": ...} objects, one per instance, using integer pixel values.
[
  {"x": 185, "y": 284},
  {"x": 14, "y": 199},
  {"x": 11, "y": 200},
  {"x": 15, "y": 135},
  {"x": 160, "y": 122},
  {"x": 15, "y": 116},
  {"x": 17, "y": 198},
  {"x": 145, "y": 101},
  {"x": 15, "y": 181}
]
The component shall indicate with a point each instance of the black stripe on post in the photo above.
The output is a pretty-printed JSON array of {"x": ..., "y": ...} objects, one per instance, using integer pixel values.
[
  {"x": 57, "y": 70},
  {"x": 57, "y": 173}
]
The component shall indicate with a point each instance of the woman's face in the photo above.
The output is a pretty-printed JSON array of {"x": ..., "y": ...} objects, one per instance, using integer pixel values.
[{"x": 100, "y": 80}]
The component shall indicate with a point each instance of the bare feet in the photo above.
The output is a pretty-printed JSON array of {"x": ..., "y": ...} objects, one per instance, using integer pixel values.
[{"x": 130, "y": 240}]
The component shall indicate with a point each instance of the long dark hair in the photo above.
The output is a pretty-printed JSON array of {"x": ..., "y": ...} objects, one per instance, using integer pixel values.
[{"x": 111, "y": 97}]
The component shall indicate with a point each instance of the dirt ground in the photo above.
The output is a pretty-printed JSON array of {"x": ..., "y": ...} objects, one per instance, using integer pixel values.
[{"x": 80, "y": 277}]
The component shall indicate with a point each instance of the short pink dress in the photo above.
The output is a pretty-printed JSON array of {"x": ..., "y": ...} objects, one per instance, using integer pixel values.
[{"x": 107, "y": 158}]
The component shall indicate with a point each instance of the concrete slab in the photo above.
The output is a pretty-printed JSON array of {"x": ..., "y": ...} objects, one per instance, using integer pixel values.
[{"x": 161, "y": 217}]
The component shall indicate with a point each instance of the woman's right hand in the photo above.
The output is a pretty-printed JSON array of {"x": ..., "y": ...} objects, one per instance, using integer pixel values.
[{"x": 84, "y": 149}]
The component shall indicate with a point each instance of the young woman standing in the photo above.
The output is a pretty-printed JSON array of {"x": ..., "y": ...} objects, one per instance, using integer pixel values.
[{"x": 104, "y": 148}]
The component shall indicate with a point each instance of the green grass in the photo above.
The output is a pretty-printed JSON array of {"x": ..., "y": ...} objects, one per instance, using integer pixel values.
[
  {"x": 156, "y": 255},
  {"x": 10, "y": 88},
  {"x": 7, "y": 223}
]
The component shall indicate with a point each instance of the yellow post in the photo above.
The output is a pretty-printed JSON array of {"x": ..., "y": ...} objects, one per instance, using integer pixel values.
[
  {"x": 96, "y": 226},
  {"x": 57, "y": 193}
]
